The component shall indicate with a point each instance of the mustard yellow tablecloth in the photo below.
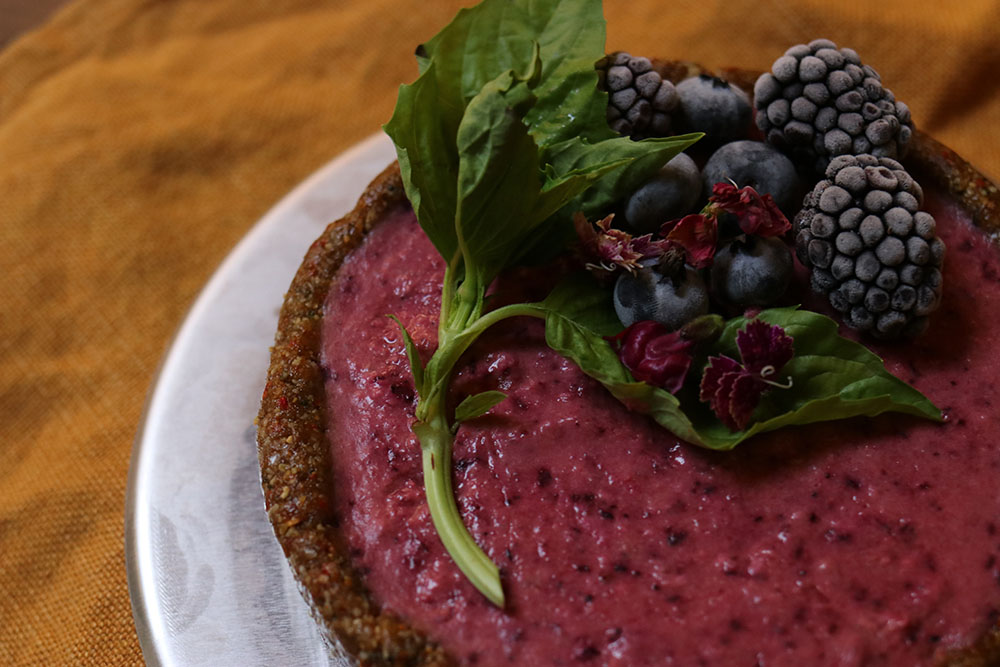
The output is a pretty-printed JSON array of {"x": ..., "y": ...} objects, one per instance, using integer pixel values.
[{"x": 140, "y": 140}]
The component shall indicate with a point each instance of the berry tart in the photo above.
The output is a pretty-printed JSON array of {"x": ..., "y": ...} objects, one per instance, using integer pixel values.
[{"x": 609, "y": 422}]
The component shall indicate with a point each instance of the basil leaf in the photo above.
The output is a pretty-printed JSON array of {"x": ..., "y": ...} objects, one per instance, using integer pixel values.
[
  {"x": 643, "y": 158},
  {"x": 502, "y": 198},
  {"x": 639, "y": 160},
  {"x": 424, "y": 127},
  {"x": 580, "y": 300},
  {"x": 479, "y": 43},
  {"x": 578, "y": 316},
  {"x": 498, "y": 176},
  {"x": 490, "y": 38},
  {"x": 832, "y": 377},
  {"x": 570, "y": 103},
  {"x": 476, "y": 72},
  {"x": 477, "y": 405}
]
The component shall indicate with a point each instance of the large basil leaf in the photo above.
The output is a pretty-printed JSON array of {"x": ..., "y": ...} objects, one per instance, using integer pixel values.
[
  {"x": 424, "y": 128},
  {"x": 502, "y": 195},
  {"x": 476, "y": 183},
  {"x": 642, "y": 159},
  {"x": 496, "y": 36},
  {"x": 498, "y": 175},
  {"x": 832, "y": 377}
]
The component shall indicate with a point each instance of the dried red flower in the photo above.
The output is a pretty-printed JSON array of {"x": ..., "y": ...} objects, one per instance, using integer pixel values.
[
  {"x": 655, "y": 355},
  {"x": 697, "y": 234},
  {"x": 610, "y": 248},
  {"x": 755, "y": 213},
  {"x": 732, "y": 389}
]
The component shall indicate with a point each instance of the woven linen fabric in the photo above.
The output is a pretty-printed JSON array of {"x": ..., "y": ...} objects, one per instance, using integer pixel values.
[{"x": 140, "y": 140}]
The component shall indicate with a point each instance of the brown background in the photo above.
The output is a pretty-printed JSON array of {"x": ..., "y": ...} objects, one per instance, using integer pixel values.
[
  {"x": 140, "y": 140},
  {"x": 19, "y": 16}
]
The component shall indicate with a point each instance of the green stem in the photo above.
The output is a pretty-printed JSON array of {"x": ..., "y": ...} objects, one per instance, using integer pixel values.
[
  {"x": 469, "y": 298},
  {"x": 434, "y": 431},
  {"x": 436, "y": 440},
  {"x": 502, "y": 313},
  {"x": 448, "y": 292}
]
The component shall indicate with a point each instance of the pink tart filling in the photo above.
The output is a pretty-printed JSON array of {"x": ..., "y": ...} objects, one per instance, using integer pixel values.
[{"x": 860, "y": 542}]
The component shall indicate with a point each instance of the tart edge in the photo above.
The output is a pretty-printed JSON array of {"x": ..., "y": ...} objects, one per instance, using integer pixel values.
[{"x": 294, "y": 454}]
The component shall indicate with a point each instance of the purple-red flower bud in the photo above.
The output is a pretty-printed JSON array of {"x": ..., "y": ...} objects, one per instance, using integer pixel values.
[{"x": 655, "y": 355}]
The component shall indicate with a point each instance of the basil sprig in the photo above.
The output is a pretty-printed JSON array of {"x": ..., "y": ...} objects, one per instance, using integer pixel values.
[
  {"x": 501, "y": 137},
  {"x": 500, "y": 140}
]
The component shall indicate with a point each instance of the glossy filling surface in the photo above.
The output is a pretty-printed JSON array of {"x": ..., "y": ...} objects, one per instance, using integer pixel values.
[{"x": 860, "y": 542}]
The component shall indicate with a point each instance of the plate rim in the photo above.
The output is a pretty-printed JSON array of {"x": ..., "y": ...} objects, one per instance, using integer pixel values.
[{"x": 136, "y": 566}]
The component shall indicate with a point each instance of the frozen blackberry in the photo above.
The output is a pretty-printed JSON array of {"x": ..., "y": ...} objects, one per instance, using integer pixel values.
[
  {"x": 818, "y": 102},
  {"x": 872, "y": 251},
  {"x": 639, "y": 99}
]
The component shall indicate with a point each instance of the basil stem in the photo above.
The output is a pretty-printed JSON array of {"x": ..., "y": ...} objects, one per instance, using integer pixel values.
[
  {"x": 461, "y": 323},
  {"x": 435, "y": 441}
]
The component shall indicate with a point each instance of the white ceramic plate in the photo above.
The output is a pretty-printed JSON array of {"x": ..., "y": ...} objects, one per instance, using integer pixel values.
[{"x": 208, "y": 581}]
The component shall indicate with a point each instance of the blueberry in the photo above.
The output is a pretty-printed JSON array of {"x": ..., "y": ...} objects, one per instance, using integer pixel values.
[
  {"x": 754, "y": 272},
  {"x": 714, "y": 106},
  {"x": 759, "y": 165},
  {"x": 671, "y": 194},
  {"x": 649, "y": 295}
]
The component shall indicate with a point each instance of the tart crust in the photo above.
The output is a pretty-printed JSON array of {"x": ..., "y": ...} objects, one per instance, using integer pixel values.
[{"x": 291, "y": 424}]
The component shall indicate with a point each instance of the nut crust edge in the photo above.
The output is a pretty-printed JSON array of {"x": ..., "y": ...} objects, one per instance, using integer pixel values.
[{"x": 294, "y": 455}]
